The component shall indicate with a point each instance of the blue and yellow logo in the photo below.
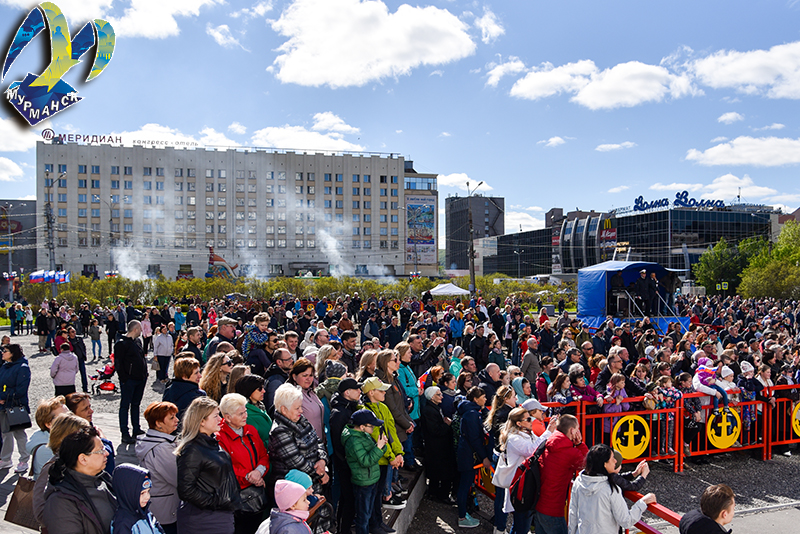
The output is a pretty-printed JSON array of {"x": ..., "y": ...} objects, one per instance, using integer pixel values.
[{"x": 39, "y": 97}]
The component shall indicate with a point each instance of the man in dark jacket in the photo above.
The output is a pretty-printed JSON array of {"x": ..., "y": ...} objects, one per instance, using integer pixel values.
[
  {"x": 277, "y": 374},
  {"x": 422, "y": 360},
  {"x": 79, "y": 349},
  {"x": 131, "y": 367},
  {"x": 349, "y": 339},
  {"x": 547, "y": 339},
  {"x": 478, "y": 348},
  {"x": 226, "y": 332},
  {"x": 394, "y": 332},
  {"x": 343, "y": 405},
  {"x": 490, "y": 381},
  {"x": 717, "y": 506}
]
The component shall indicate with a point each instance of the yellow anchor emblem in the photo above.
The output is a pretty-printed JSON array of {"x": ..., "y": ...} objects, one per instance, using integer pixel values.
[
  {"x": 723, "y": 428},
  {"x": 795, "y": 420},
  {"x": 631, "y": 436}
]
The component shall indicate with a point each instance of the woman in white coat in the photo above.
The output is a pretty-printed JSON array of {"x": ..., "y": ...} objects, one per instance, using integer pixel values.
[
  {"x": 162, "y": 351},
  {"x": 597, "y": 505},
  {"x": 517, "y": 443}
]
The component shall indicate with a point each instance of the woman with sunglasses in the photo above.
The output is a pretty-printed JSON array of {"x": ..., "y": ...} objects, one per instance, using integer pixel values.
[
  {"x": 518, "y": 442},
  {"x": 252, "y": 388},
  {"x": 215, "y": 376}
]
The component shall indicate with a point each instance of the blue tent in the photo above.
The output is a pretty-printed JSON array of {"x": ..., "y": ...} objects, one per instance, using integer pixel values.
[{"x": 594, "y": 283}]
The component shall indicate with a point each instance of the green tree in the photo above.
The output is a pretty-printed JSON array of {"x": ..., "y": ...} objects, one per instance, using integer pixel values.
[
  {"x": 776, "y": 272},
  {"x": 726, "y": 263}
]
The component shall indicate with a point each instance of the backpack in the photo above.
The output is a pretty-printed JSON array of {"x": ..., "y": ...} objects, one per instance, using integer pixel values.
[{"x": 527, "y": 483}]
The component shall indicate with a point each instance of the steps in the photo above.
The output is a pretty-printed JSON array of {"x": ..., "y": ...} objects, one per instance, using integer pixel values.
[{"x": 400, "y": 520}]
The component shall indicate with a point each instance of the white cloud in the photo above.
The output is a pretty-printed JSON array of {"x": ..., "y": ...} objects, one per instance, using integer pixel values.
[
  {"x": 154, "y": 19},
  {"x": 774, "y": 73},
  {"x": 490, "y": 26},
  {"x": 619, "y": 189},
  {"x": 445, "y": 134},
  {"x": 27, "y": 197},
  {"x": 794, "y": 198},
  {"x": 761, "y": 152},
  {"x": 461, "y": 181},
  {"x": 497, "y": 71},
  {"x": 552, "y": 142},
  {"x": 211, "y": 137},
  {"x": 730, "y": 117},
  {"x": 15, "y": 138},
  {"x": 729, "y": 186},
  {"x": 9, "y": 171},
  {"x": 237, "y": 128},
  {"x": 438, "y": 73},
  {"x": 614, "y": 146},
  {"x": 773, "y": 126},
  {"x": 398, "y": 131},
  {"x": 548, "y": 80},
  {"x": 719, "y": 139},
  {"x": 258, "y": 10},
  {"x": 623, "y": 85},
  {"x": 157, "y": 132},
  {"x": 329, "y": 122},
  {"x": 675, "y": 186},
  {"x": 515, "y": 219},
  {"x": 343, "y": 43},
  {"x": 299, "y": 138},
  {"x": 521, "y": 207},
  {"x": 222, "y": 35}
]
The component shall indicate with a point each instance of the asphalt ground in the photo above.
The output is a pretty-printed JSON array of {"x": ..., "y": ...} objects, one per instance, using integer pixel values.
[{"x": 773, "y": 485}]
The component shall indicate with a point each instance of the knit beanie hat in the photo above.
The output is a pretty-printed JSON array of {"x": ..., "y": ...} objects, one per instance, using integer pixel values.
[
  {"x": 335, "y": 369},
  {"x": 299, "y": 477},
  {"x": 287, "y": 493},
  {"x": 248, "y": 384}
]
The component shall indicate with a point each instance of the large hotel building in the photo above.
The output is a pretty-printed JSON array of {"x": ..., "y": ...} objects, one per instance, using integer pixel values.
[{"x": 265, "y": 212}]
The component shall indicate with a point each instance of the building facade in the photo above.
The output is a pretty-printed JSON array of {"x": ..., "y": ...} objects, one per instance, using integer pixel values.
[
  {"x": 248, "y": 211},
  {"x": 488, "y": 219},
  {"x": 666, "y": 232}
]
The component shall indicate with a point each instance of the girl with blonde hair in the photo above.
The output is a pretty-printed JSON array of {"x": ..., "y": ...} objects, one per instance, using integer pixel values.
[{"x": 215, "y": 376}]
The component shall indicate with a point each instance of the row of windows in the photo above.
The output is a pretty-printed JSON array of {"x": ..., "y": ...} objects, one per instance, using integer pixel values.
[
  {"x": 223, "y": 173},
  {"x": 180, "y": 242}
]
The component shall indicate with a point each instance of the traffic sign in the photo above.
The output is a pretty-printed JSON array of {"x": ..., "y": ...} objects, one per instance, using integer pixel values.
[
  {"x": 631, "y": 436},
  {"x": 719, "y": 287},
  {"x": 723, "y": 428},
  {"x": 724, "y": 286}
]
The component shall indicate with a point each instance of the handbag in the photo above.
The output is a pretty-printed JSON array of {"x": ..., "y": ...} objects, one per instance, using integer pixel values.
[
  {"x": 17, "y": 418},
  {"x": 254, "y": 499},
  {"x": 20, "y": 508},
  {"x": 503, "y": 473},
  {"x": 155, "y": 365}
]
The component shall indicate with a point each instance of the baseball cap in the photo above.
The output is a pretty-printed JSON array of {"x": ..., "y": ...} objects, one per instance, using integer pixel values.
[
  {"x": 348, "y": 383},
  {"x": 374, "y": 383},
  {"x": 365, "y": 417},
  {"x": 533, "y": 404},
  {"x": 227, "y": 321}
]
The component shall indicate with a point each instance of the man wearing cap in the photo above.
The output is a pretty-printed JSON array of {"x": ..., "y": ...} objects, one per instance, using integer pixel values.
[
  {"x": 642, "y": 288},
  {"x": 343, "y": 405},
  {"x": 226, "y": 331}
]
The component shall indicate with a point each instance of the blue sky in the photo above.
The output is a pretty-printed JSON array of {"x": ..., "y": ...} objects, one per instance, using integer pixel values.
[{"x": 572, "y": 104}]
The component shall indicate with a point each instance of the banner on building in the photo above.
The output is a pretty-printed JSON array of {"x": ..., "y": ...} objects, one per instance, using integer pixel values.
[{"x": 421, "y": 230}]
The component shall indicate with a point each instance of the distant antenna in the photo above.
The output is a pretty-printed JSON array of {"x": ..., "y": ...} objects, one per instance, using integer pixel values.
[
  {"x": 520, "y": 227},
  {"x": 739, "y": 196}
]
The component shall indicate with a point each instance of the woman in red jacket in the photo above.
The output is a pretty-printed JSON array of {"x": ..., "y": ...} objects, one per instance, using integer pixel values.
[{"x": 249, "y": 458}]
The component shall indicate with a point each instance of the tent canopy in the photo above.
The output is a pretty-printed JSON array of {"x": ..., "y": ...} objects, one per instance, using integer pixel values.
[
  {"x": 448, "y": 289},
  {"x": 594, "y": 283}
]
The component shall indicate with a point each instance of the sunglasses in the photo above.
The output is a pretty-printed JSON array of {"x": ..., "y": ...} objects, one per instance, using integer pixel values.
[{"x": 228, "y": 362}]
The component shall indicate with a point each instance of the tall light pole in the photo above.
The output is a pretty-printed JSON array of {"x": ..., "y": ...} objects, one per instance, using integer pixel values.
[
  {"x": 519, "y": 262},
  {"x": 48, "y": 209},
  {"x": 110, "y": 205},
  {"x": 471, "y": 238}
]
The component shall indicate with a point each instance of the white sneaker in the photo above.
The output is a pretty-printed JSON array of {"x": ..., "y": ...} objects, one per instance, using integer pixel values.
[
  {"x": 787, "y": 453},
  {"x": 6, "y": 464},
  {"x": 498, "y": 531},
  {"x": 21, "y": 468}
]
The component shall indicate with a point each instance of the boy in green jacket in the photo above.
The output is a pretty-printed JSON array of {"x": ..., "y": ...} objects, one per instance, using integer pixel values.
[{"x": 363, "y": 456}]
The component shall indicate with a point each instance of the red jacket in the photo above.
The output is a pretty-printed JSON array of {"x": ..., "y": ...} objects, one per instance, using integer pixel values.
[
  {"x": 559, "y": 463},
  {"x": 247, "y": 451}
]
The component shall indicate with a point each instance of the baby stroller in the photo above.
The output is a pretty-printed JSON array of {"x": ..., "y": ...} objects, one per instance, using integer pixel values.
[{"x": 102, "y": 380}]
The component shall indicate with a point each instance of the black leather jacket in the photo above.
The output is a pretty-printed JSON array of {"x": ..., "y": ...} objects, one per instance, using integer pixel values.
[{"x": 205, "y": 476}]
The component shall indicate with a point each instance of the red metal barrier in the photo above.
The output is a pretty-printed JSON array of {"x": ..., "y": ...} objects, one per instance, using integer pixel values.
[
  {"x": 656, "y": 509},
  {"x": 784, "y": 418}
]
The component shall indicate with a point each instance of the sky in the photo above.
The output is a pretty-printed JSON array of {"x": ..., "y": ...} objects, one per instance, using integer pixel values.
[{"x": 573, "y": 104}]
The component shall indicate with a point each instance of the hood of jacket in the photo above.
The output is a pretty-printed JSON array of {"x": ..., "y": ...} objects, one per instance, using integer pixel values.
[
  {"x": 274, "y": 370},
  {"x": 484, "y": 377},
  {"x": 589, "y": 485},
  {"x": 283, "y": 522},
  {"x": 468, "y": 406},
  {"x": 150, "y": 440},
  {"x": 178, "y": 388},
  {"x": 128, "y": 482},
  {"x": 330, "y": 385}
]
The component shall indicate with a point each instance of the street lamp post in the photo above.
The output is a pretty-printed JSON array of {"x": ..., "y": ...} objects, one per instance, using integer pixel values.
[
  {"x": 471, "y": 238},
  {"x": 110, "y": 205},
  {"x": 519, "y": 262},
  {"x": 48, "y": 209}
]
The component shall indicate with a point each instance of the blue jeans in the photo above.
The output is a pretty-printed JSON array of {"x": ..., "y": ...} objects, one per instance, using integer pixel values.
[
  {"x": 132, "y": 392},
  {"x": 724, "y": 396},
  {"x": 376, "y": 518},
  {"x": 51, "y": 336},
  {"x": 464, "y": 484},
  {"x": 547, "y": 524},
  {"x": 522, "y": 522},
  {"x": 163, "y": 367},
  {"x": 97, "y": 348},
  {"x": 364, "y": 497},
  {"x": 408, "y": 450}
]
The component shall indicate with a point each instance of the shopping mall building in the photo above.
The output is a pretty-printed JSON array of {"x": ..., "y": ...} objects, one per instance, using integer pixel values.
[{"x": 672, "y": 231}]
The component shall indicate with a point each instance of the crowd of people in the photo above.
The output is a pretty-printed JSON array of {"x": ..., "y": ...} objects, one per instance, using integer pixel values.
[{"x": 270, "y": 407}]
